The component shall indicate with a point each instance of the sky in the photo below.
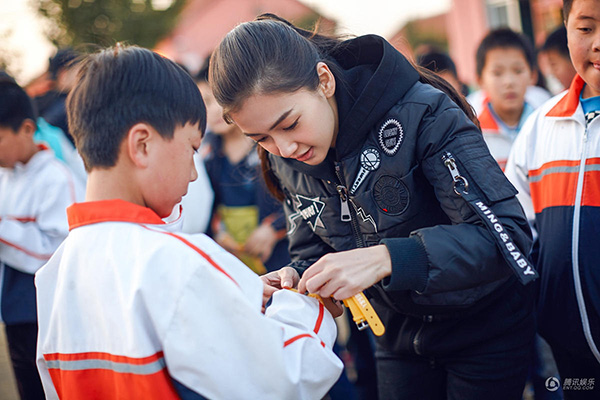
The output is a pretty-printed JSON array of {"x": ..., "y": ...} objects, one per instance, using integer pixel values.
[{"x": 21, "y": 31}]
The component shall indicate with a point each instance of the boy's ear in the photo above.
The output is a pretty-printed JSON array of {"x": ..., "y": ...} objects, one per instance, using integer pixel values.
[
  {"x": 534, "y": 77},
  {"x": 137, "y": 143},
  {"x": 326, "y": 79},
  {"x": 27, "y": 127}
]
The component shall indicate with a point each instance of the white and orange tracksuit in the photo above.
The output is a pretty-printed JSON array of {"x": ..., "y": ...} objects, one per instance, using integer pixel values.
[
  {"x": 555, "y": 165},
  {"x": 130, "y": 310}
]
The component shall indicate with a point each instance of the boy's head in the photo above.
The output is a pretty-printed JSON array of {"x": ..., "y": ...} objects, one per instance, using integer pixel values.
[
  {"x": 17, "y": 124},
  {"x": 582, "y": 20},
  {"x": 214, "y": 112},
  {"x": 141, "y": 113},
  {"x": 441, "y": 64},
  {"x": 505, "y": 68},
  {"x": 556, "y": 51}
]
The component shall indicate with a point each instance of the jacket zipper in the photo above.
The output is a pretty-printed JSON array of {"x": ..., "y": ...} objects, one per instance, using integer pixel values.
[
  {"x": 347, "y": 213},
  {"x": 461, "y": 185},
  {"x": 417, "y": 338},
  {"x": 575, "y": 251}
]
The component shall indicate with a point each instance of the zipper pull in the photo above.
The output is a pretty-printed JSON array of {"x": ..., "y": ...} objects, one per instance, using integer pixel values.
[
  {"x": 458, "y": 179},
  {"x": 345, "y": 209}
]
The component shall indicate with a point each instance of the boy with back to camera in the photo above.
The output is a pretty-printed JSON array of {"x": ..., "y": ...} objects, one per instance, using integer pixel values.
[
  {"x": 128, "y": 309},
  {"x": 554, "y": 164},
  {"x": 35, "y": 190},
  {"x": 505, "y": 68}
]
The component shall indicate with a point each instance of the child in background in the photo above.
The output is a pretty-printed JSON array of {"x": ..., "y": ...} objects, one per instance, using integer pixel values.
[
  {"x": 128, "y": 309},
  {"x": 441, "y": 63},
  {"x": 556, "y": 51},
  {"x": 35, "y": 190},
  {"x": 554, "y": 164},
  {"x": 247, "y": 220},
  {"x": 505, "y": 68}
]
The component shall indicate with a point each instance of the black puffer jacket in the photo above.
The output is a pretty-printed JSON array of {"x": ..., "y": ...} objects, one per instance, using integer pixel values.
[{"x": 386, "y": 182}]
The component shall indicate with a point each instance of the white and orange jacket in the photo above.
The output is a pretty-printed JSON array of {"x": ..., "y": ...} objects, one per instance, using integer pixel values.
[
  {"x": 33, "y": 222},
  {"x": 498, "y": 137},
  {"x": 130, "y": 310},
  {"x": 555, "y": 165}
]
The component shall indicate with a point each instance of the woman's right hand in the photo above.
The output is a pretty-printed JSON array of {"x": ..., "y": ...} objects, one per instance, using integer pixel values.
[{"x": 286, "y": 277}]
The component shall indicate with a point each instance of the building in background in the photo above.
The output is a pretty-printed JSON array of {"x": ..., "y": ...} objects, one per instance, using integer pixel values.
[
  {"x": 460, "y": 30},
  {"x": 203, "y": 23}
]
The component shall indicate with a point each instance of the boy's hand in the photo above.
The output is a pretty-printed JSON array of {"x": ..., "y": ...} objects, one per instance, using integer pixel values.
[{"x": 286, "y": 277}]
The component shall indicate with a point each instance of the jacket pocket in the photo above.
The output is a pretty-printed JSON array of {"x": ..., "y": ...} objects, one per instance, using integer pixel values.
[{"x": 483, "y": 173}]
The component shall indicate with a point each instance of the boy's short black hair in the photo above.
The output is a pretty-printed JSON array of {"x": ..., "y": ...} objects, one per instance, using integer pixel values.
[
  {"x": 15, "y": 105},
  {"x": 437, "y": 61},
  {"x": 557, "y": 41},
  {"x": 124, "y": 85},
  {"x": 567, "y": 4},
  {"x": 508, "y": 39}
]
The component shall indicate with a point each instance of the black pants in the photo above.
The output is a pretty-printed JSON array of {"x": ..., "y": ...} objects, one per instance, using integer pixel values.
[
  {"x": 22, "y": 339},
  {"x": 580, "y": 376},
  {"x": 492, "y": 376}
]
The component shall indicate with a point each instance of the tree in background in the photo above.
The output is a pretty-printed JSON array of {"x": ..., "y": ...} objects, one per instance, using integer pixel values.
[{"x": 105, "y": 22}]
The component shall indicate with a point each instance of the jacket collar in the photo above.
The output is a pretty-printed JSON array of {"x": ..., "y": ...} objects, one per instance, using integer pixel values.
[
  {"x": 375, "y": 76},
  {"x": 567, "y": 106},
  {"x": 93, "y": 212}
]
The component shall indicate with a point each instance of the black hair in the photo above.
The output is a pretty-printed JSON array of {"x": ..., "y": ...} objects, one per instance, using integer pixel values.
[
  {"x": 271, "y": 55},
  {"x": 124, "y": 85},
  {"x": 557, "y": 41},
  {"x": 567, "y": 4},
  {"x": 437, "y": 61},
  {"x": 15, "y": 105},
  {"x": 504, "y": 38},
  {"x": 64, "y": 58},
  {"x": 202, "y": 74}
]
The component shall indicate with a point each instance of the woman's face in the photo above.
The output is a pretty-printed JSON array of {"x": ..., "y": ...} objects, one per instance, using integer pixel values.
[{"x": 301, "y": 125}]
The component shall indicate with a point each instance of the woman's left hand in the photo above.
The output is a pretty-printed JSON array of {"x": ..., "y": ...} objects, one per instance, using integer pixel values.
[{"x": 342, "y": 275}]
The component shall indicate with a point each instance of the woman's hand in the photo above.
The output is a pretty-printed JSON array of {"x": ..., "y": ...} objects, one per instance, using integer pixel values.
[
  {"x": 261, "y": 242},
  {"x": 286, "y": 277},
  {"x": 342, "y": 275}
]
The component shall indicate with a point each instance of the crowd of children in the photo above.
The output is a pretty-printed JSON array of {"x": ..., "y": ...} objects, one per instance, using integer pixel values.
[{"x": 376, "y": 184}]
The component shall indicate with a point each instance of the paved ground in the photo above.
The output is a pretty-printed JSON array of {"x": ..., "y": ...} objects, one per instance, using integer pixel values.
[{"x": 8, "y": 390}]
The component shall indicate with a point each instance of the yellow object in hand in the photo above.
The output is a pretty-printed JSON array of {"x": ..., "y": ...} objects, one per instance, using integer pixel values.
[{"x": 363, "y": 314}]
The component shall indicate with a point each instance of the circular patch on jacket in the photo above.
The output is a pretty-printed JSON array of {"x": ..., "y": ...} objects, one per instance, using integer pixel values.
[
  {"x": 370, "y": 159},
  {"x": 390, "y": 136},
  {"x": 390, "y": 195}
]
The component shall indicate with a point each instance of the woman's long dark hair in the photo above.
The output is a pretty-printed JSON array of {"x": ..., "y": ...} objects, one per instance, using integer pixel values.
[{"x": 270, "y": 55}]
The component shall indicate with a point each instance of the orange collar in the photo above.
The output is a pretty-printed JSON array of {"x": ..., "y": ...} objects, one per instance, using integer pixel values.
[
  {"x": 92, "y": 212},
  {"x": 486, "y": 119},
  {"x": 567, "y": 106}
]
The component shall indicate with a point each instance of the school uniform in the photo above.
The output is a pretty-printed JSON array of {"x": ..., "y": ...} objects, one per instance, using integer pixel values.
[
  {"x": 498, "y": 136},
  {"x": 128, "y": 309},
  {"x": 33, "y": 223},
  {"x": 554, "y": 164},
  {"x": 456, "y": 318}
]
